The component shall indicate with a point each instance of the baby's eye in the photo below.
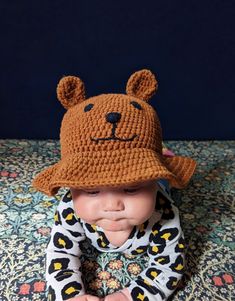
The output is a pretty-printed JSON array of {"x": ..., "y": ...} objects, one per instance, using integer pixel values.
[
  {"x": 92, "y": 192},
  {"x": 131, "y": 190}
]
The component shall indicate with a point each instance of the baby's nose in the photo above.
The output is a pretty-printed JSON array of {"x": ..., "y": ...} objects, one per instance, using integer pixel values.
[{"x": 114, "y": 205}]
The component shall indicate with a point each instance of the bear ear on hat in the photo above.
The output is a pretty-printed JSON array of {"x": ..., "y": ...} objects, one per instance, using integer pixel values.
[
  {"x": 70, "y": 91},
  {"x": 142, "y": 84}
]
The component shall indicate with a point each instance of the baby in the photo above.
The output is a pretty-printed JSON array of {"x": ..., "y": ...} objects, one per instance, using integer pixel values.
[{"x": 113, "y": 164}]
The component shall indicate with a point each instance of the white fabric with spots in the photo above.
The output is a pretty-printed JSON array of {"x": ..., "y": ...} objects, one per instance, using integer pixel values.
[{"x": 160, "y": 237}]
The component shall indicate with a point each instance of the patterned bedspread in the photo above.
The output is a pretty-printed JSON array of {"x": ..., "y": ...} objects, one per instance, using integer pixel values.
[{"x": 207, "y": 217}]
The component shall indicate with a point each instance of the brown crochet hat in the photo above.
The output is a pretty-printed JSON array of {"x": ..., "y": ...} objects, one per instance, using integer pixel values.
[{"x": 111, "y": 140}]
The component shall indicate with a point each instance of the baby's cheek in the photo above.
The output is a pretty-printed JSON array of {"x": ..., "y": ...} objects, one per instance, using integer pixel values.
[
  {"x": 142, "y": 213},
  {"x": 85, "y": 211}
]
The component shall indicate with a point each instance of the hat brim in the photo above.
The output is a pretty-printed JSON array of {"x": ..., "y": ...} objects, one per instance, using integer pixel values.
[{"x": 113, "y": 169}]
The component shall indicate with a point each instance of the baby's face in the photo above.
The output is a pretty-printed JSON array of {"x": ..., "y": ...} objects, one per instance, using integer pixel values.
[{"x": 115, "y": 209}]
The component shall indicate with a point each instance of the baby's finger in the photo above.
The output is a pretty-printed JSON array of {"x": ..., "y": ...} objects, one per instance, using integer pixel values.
[
  {"x": 110, "y": 298},
  {"x": 85, "y": 298},
  {"x": 93, "y": 298},
  {"x": 115, "y": 297}
]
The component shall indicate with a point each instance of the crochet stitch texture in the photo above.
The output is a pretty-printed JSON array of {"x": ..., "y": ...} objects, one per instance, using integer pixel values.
[{"x": 111, "y": 139}]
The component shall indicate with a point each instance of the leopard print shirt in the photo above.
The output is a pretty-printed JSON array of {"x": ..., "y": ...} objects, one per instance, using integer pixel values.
[{"x": 160, "y": 237}]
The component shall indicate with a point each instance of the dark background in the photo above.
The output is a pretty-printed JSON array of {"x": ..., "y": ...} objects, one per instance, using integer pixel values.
[{"x": 189, "y": 45}]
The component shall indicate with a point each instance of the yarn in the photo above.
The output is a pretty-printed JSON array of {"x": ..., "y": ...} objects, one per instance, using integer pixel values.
[{"x": 111, "y": 139}]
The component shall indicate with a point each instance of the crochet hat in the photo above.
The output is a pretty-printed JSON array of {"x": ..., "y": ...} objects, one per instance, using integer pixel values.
[{"x": 111, "y": 140}]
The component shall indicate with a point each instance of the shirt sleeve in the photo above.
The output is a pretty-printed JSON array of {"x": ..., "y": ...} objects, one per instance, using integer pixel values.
[
  {"x": 166, "y": 261},
  {"x": 63, "y": 267}
]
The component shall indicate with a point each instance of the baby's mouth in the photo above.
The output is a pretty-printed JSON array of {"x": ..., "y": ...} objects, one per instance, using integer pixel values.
[{"x": 114, "y": 137}]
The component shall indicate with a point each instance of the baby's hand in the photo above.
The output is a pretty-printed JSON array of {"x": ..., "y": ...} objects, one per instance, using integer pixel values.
[
  {"x": 86, "y": 298},
  {"x": 123, "y": 295}
]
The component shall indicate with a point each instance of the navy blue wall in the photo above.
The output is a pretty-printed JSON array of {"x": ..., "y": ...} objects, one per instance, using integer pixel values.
[{"x": 188, "y": 44}]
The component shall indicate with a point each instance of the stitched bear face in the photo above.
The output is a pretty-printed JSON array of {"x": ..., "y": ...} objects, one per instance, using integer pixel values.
[{"x": 109, "y": 121}]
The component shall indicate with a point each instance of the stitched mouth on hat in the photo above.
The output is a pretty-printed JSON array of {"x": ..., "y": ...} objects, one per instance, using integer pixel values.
[{"x": 114, "y": 137}]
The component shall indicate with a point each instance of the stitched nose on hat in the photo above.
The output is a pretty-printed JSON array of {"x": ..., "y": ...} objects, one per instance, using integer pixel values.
[{"x": 113, "y": 117}]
